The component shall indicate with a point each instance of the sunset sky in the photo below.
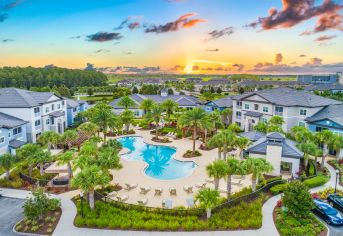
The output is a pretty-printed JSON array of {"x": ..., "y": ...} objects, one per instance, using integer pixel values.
[{"x": 181, "y": 36}]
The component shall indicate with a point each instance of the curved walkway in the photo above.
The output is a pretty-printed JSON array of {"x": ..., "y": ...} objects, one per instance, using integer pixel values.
[{"x": 66, "y": 226}]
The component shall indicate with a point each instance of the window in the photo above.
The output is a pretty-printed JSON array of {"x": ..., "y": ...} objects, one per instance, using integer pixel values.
[
  {"x": 302, "y": 123},
  {"x": 303, "y": 112},
  {"x": 62, "y": 103},
  {"x": 265, "y": 109},
  {"x": 9, "y": 134},
  {"x": 239, "y": 124},
  {"x": 264, "y": 120},
  {"x": 37, "y": 123},
  {"x": 2, "y": 139},
  {"x": 52, "y": 107},
  {"x": 246, "y": 106},
  {"x": 256, "y": 107},
  {"x": 36, "y": 109},
  {"x": 58, "y": 106},
  {"x": 52, "y": 120},
  {"x": 279, "y": 111},
  {"x": 47, "y": 109},
  {"x": 319, "y": 129},
  {"x": 17, "y": 131},
  {"x": 74, "y": 109},
  {"x": 47, "y": 121},
  {"x": 239, "y": 104},
  {"x": 238, "y": 114}
]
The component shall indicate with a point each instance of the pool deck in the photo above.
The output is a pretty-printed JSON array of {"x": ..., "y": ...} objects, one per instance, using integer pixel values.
[{"x": 133, "y": 173}]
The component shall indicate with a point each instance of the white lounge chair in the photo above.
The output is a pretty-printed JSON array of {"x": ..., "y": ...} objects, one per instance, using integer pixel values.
[
  {"x": 168, "y": 204},
  {"x": 143, "y": 202},
  {"x": 158, "y": 191},
  {"x": 190, "y": 202},
  {"x": 145, "y": 190},
  {"x": 123, "y": 198},
  {"x": 130, "y": 186},
  {"x": 188, "y": 189},
  {"x": 172, "y": 191},
  {"x": 210, "y": 180},
  {"x": 201, "y": 185},
  {"x": 112, "y": 194}
]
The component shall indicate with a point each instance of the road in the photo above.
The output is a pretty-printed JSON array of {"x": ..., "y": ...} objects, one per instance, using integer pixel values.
[{"x": 11, "y": 212}]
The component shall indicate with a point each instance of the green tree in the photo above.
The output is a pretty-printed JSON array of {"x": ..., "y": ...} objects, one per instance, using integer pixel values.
[
  {"x": 336, "y": 143},
  {"x": 88, "y": 178},
  {"x": 69, "y": 136},
  {"x": 135, "y": 90},
  {"x": 102, "y": 118},
  {"x": 66, "y": 158},
  {"x": 42, "y": 157},
  {"x": 234, "y": 128},
  {"x": 233, "y": 167},
  {"x": 216, "y": 119},
  {"x": 216, "y": 142},
  {"x": 261, "y": 127},
  {"x": 227, "y": 115},
  {"x": 28, "y": 153},
  {"x": 208, "y": 199},
  {"x": 108, "y": 159},
  {"x": 297, "y": 199},
  {"x": 155, "y": 115},
  {"x": 169, "y": 106},
  {"x": 49, "y": 138},
  {"x": 301, "y": 134},
  {"x": 147, "y": 105},
  {"x": 308, "y": 149},
  {"x": 88, "y": 128},
  {"x": 257, "y": 167},
  {"x": 126, "y": 102},
  {"x": 217, "y": 170},
  {"x": 241, "y": 144},
  {"x": 228, "y": 140},
  {"x": 324, "y": 138},
  {"x": 195, "y": 118},
  {"x": 127, "y": 117},
  {"x": 7, "y": 161}
]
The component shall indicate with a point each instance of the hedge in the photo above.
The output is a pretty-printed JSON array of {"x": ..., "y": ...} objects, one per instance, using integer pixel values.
[
  {"x": 275, "y": 190},
  {"x": 316, "y": 181}
]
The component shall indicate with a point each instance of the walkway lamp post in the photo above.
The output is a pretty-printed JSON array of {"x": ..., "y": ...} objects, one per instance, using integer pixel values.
[
  {"x": 337, "y": 174},
  {"x": 81, "y": 198}
]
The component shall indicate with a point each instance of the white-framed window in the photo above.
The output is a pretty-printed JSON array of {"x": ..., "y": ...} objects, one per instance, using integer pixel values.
[
  {"x": 36, "y": 109},
  {"x": 52, "y": 107},
  {"x": 256, "y": 107},
  {"x": 239, "y": 104},
  {"x": 301, "y": 123},
  {"x": 9, "y": 134},
  {"x": 62, "y": 103},
  {"x": 246, "y": 106},
  {"x": 47, "y": 121},
  {"x": 47, "y": 109},
  {"x": 303, "y": 112},
  {"x": 238, "y": 114},
  {"x": 17, "y": 131},
  {"x": 265, "y": 109},
  {"x": 264, "y": 120},
  {"x": 37, "y": 123},
  {"x": 58, "y": 106},
  {"x": 2, "y": 139},
  {"x": 279, "y": 111}
]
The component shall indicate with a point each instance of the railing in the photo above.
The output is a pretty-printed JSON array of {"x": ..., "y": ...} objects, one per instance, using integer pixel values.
[{"x": 40, "y": 182}]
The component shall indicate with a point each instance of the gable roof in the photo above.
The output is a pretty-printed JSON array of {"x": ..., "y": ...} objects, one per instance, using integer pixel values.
[
  {"x": 252, "y": 135},
  {"x": 333, "y": 113},
  {"x": 8, "y": 122},
  {"x": 13, "y": 97},
  {"x": 72, "y": 103},
  {"x": 222, "y": 102},
  {"x": 289, "y": 97},
  {"x": 182, "y": 100}
]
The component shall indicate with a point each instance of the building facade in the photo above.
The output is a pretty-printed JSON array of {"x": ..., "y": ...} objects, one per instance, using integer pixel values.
[
  {"x": 74, "y": 107},
  {"x": 320, "y": 79}
]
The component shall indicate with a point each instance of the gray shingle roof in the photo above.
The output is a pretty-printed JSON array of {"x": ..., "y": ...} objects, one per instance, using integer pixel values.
[
  {"x": 324, "y": 87},
  {"x": 8, "y": 122},
  {"x": 289, "y": 148},
  {"x": 72, "y": 103},
  {"x": 253, "y": 135},
  {"x": 13, "y": 97},
  {"x": 182, "y": 100},
  {"x": 253, "y": 114},
  {"x": 333, "y": 113},
  {"x": 57, "y": 114},
  {"x": 16, "y": 143},
  {"x": 289, "y": 97},
  {"x": 223, "y": 102}
]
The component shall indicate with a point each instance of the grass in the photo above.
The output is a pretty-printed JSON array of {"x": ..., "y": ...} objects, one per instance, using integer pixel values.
[
  {"x": 243, "y": 216},
  {"x": 97, "y": 98}
]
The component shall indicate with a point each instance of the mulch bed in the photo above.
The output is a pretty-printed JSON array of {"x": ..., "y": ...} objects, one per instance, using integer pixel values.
[{"x": 161, "y": 140}]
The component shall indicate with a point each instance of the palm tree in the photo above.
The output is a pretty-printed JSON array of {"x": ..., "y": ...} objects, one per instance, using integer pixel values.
[
  {"x": 102, "y": 118},
  {"x": 216, "y": 141},
  {"x": 126, "y": 102},
  {"x": 208, "y": 199},
  {"x": 307, "y": 149},
  {"x": 169, "y": 106},
  {"x": 233, "y": 167},
  {"x": 324, "y": 138},
  {"x": 257, "y": 167},
  {"x": 115, "y": 123},
  {"x": 229, "y": 139},
  {"x": 108, "y": 158},
  {"x": 301, "y": 134},
  {"x": 127, "y": 117},
  {"x": 88, "y": 178},
  {"x": 337, "y": 144},
  {"x": 28, "y": 153},
  {"x": 216, "y": 119},
  {"x": 242, "y": 143},
  {"x": 41, "y": 158},
  {"x": 195, "y": 118},
  {"x": 217, "y": 170},
  {"x": 207, "y": 126},
  {"x": 155, "y": 114},
  {"x": 69, "y": 137},
  {"x": 66, "y": 158},
  {"x": 275, "y": 124},
  {"x": 234, "y": 128},
  {"x": 88, "y": 128},
  {"x": 6, "y": 162},
  {"x": 227, "y": 115},
  {"x": 49, "y": 138},
  {"x": 261, "y": 127},
  {"x": 147, "y": 105}
]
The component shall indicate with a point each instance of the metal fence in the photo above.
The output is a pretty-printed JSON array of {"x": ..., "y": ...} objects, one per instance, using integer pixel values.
[{"x": 40, "y": 182}]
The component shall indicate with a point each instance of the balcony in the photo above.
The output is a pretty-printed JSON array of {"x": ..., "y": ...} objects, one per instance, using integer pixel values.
[
  {"x": 278, "y": 113},
  {"x": 38, "y": 127},
  {"x": 38, "y": 114}
]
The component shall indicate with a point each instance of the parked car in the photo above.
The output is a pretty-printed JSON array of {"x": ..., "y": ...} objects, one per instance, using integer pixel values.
[
  {"x": 329, "y": 214},
  {"x": 336, "y": 201}
]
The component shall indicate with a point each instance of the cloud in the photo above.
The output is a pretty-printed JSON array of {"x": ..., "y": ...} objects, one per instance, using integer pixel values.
[
  {"x": 177, "y": 68},
  {"x": 212, "y": 50},
  {"x": 76, "y": 37},
  {"x": 3, "y": 17},
  {"x": 325, "y": 38},
  {"x": 216, "y": 34},
  {"x": 102, "y": 51},
  {"x": 182, "y": 22},
  {"x": 7, "y": 40},
  {"x": 103, "y": 37},
  {"x": 315, "y": 61},
  {"x": 195, "y": 68},
  {"x": 131, "y": 22},
  {"x": 278, "y": 58},
  {"x": 261, "y": 64},
  {"x": 239, "y": 67},
  {"x": 294, "y": 12},
  {"x": 12, "y": 5},
  {"x": 302, "y": 55},
  {"x": 127, "y": 53}
]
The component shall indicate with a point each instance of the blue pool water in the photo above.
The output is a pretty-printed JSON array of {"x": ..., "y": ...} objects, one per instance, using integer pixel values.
[{"x": 161, "y": 164}]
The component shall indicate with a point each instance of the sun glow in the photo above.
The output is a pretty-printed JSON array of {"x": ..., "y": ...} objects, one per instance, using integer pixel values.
[{"x": 189, "y": 68}]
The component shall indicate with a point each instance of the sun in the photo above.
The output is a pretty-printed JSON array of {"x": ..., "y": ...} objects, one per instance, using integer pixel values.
[{"x": 188, "y": 68}]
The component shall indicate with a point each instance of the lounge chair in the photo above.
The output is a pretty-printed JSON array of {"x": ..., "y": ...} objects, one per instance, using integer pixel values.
[
  {"x": 172, "y": 191},
  {"x": 188, "y": 189},
  {"x": 145, "y": 190},
  {"x": 123, "y": 198},
  {"x": 168, "y": 204},
  {"x": 130, "y": 186},
  {"x": 190, "y": 202},
  {"x": 143, "y": 202},
  {"x": 210, "y": 180},
  {"x": 201, "y": 185},
  {"x": 158, "y": 191},
  {"x": 112, "y": 194},
  {"x": 239, "y": 182}
]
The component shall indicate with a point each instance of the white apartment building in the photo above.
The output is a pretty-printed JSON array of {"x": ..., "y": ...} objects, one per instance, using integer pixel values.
[
  {"x": 42, "y": 111},
  {"x": 294, "y": 106}
]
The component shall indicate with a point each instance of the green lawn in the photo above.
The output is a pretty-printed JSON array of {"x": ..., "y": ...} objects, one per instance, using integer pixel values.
[{"x": 98, "y": 98}]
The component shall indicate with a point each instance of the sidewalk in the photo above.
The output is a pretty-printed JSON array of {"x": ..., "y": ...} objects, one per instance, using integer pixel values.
[{"x": 66, "y": 225}]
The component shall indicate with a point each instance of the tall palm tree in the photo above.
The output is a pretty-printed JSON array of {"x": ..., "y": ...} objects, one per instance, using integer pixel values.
[
  {"x": 66, "y": 158},
  {"x": 229, "y": 139},
  {"x": 217, "y": 170},
  {"x": 69, "y": 137},
  {"x": 234, "y": 128},
  {"x": 89, "y": 128},
  {"x": 195, "y": 118},
  {"x": 102, "y": 118},
  {"x": 257, "y": 167},
  {"x": 28, "y": 153},
  {"x": 7, "y": 161},
  {"x": 216, "y": 119},
  {"x": 49, "y": 138},
  {"x": 169, "y": 106},
  {"x": 108, "y": 159},
  {"x": 324, "y": 138},
  {"x": 115, "y": 123},
  {"x": 41, "y": 158},
  {"x": 301, "y": 134},
  {"x": 127, "y": 117},
  {"x": 126, "y": 102},
  {"x": 147, "y": 105},
  {"x": 336, "y": 143},
  {"x": 227, "y": 115},
  {"x": 88, "y": 178},
  {"x": 242, "y": 143},
  {"x": 308, "y": 149},
  {"x": 217, "y": 142},
  {"x": 208, "y": 199},
  {"x": 207, "y": 126},
  {"x": 233, "y": 167},
  {"x": 155, "y": 114}
]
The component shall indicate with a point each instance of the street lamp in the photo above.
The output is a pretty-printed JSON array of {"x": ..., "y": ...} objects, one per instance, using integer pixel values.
[
  {"x": 81, "y": 197},
  {"x": 337, "y": 174}
]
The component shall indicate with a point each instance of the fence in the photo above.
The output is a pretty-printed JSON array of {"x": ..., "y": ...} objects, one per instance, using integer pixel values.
[
  {"x": 40, "y": 182},
  {"x": 192, "y": 211}
]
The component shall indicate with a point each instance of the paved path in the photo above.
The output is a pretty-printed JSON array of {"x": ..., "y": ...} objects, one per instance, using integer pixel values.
[{"x": 66, "y": 226}]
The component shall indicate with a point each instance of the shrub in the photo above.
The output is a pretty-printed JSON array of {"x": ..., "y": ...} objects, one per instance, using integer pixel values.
[
  {"x": 34, "y": 228},
  {"x": 279, "y": 188},
  {"x": 316, "y": 181}
]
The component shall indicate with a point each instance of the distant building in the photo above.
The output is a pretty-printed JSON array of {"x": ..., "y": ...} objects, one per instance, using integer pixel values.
[
  {"x": 320, "y": 79},
  {"x": 332, "y": 88},
  {"x": 219, "y": 104},
  {"x": 74, "y": 107}
]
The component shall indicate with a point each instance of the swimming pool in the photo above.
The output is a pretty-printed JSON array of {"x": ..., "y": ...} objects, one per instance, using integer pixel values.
[{"x": 161, "y": 164}]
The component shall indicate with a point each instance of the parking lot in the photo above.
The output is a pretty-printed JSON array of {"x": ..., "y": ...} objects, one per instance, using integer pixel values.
[{"x": 10, "y": 213}]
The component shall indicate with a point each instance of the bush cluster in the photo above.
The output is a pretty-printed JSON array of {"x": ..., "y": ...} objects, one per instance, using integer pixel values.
[
  {"x": 316, "y": 181},
  {"x": 279, "y": 188}
]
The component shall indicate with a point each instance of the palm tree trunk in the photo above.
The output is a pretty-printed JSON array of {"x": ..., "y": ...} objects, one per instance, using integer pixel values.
[
  {"x": 325, "y": 149},
  {"x": 219, "y": 153},
  {"x": 156, "y": 135},
  {"x": 225, "y": 152},
  {"x": 7, "y": 174},
  {"x": 205, "y": 136},
  {"x": 105, "y": 136},
  {"x": 253, "y": 183},
  {"x": 208, "y": 213},
  {"x": 30, "y": 170},
  {"x": 49, "y": 147},
  {"x": 228, "y": 186},
  {"x": 323, "y": 161},
  {"x": 41, "y": 170},
  {"x": 216, "y": 183},
  {"x": 338, "y": 154},
  {"x": 127, "y": 126},
  {"x": 70, "y": 172},
  {"x": 194, "y": 136},
  {"x": 241, "y": 154},
  {"x": 91, "y": 198}
]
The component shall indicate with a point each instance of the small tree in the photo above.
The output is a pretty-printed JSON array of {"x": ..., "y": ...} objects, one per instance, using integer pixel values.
[
  {"x": 6, "y": 162},
  {"x": 217, "y": 170},
  {"x": 28, "y": 153},
  {"x": 257, "y": 167},
  {"x": 69, "y": 137},
  {"x": 126, "y": 102},
  {"x": 208, "y": 198},
  {"x": 297, "y": 199},
  {"x": 49, "y": 138},
  {"x": 41, "y": 158},
  {"x": 66, "y": 158},
  {"x": 127, "y": 117}
]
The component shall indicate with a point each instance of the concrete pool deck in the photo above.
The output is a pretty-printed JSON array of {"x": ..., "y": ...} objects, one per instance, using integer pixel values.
[{"x": 133, "y": 173}]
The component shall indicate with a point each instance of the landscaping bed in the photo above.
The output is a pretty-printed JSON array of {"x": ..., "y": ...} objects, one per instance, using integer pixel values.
[
  {"x": 108, "y": 216},
  {"x": 161, "y": 140},
  {"x": 191, "y": 154},
  {"x": 338, "y": 165}
]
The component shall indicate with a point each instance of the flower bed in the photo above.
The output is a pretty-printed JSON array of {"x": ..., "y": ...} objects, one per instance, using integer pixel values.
[{"x": 338, "y": 165}]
